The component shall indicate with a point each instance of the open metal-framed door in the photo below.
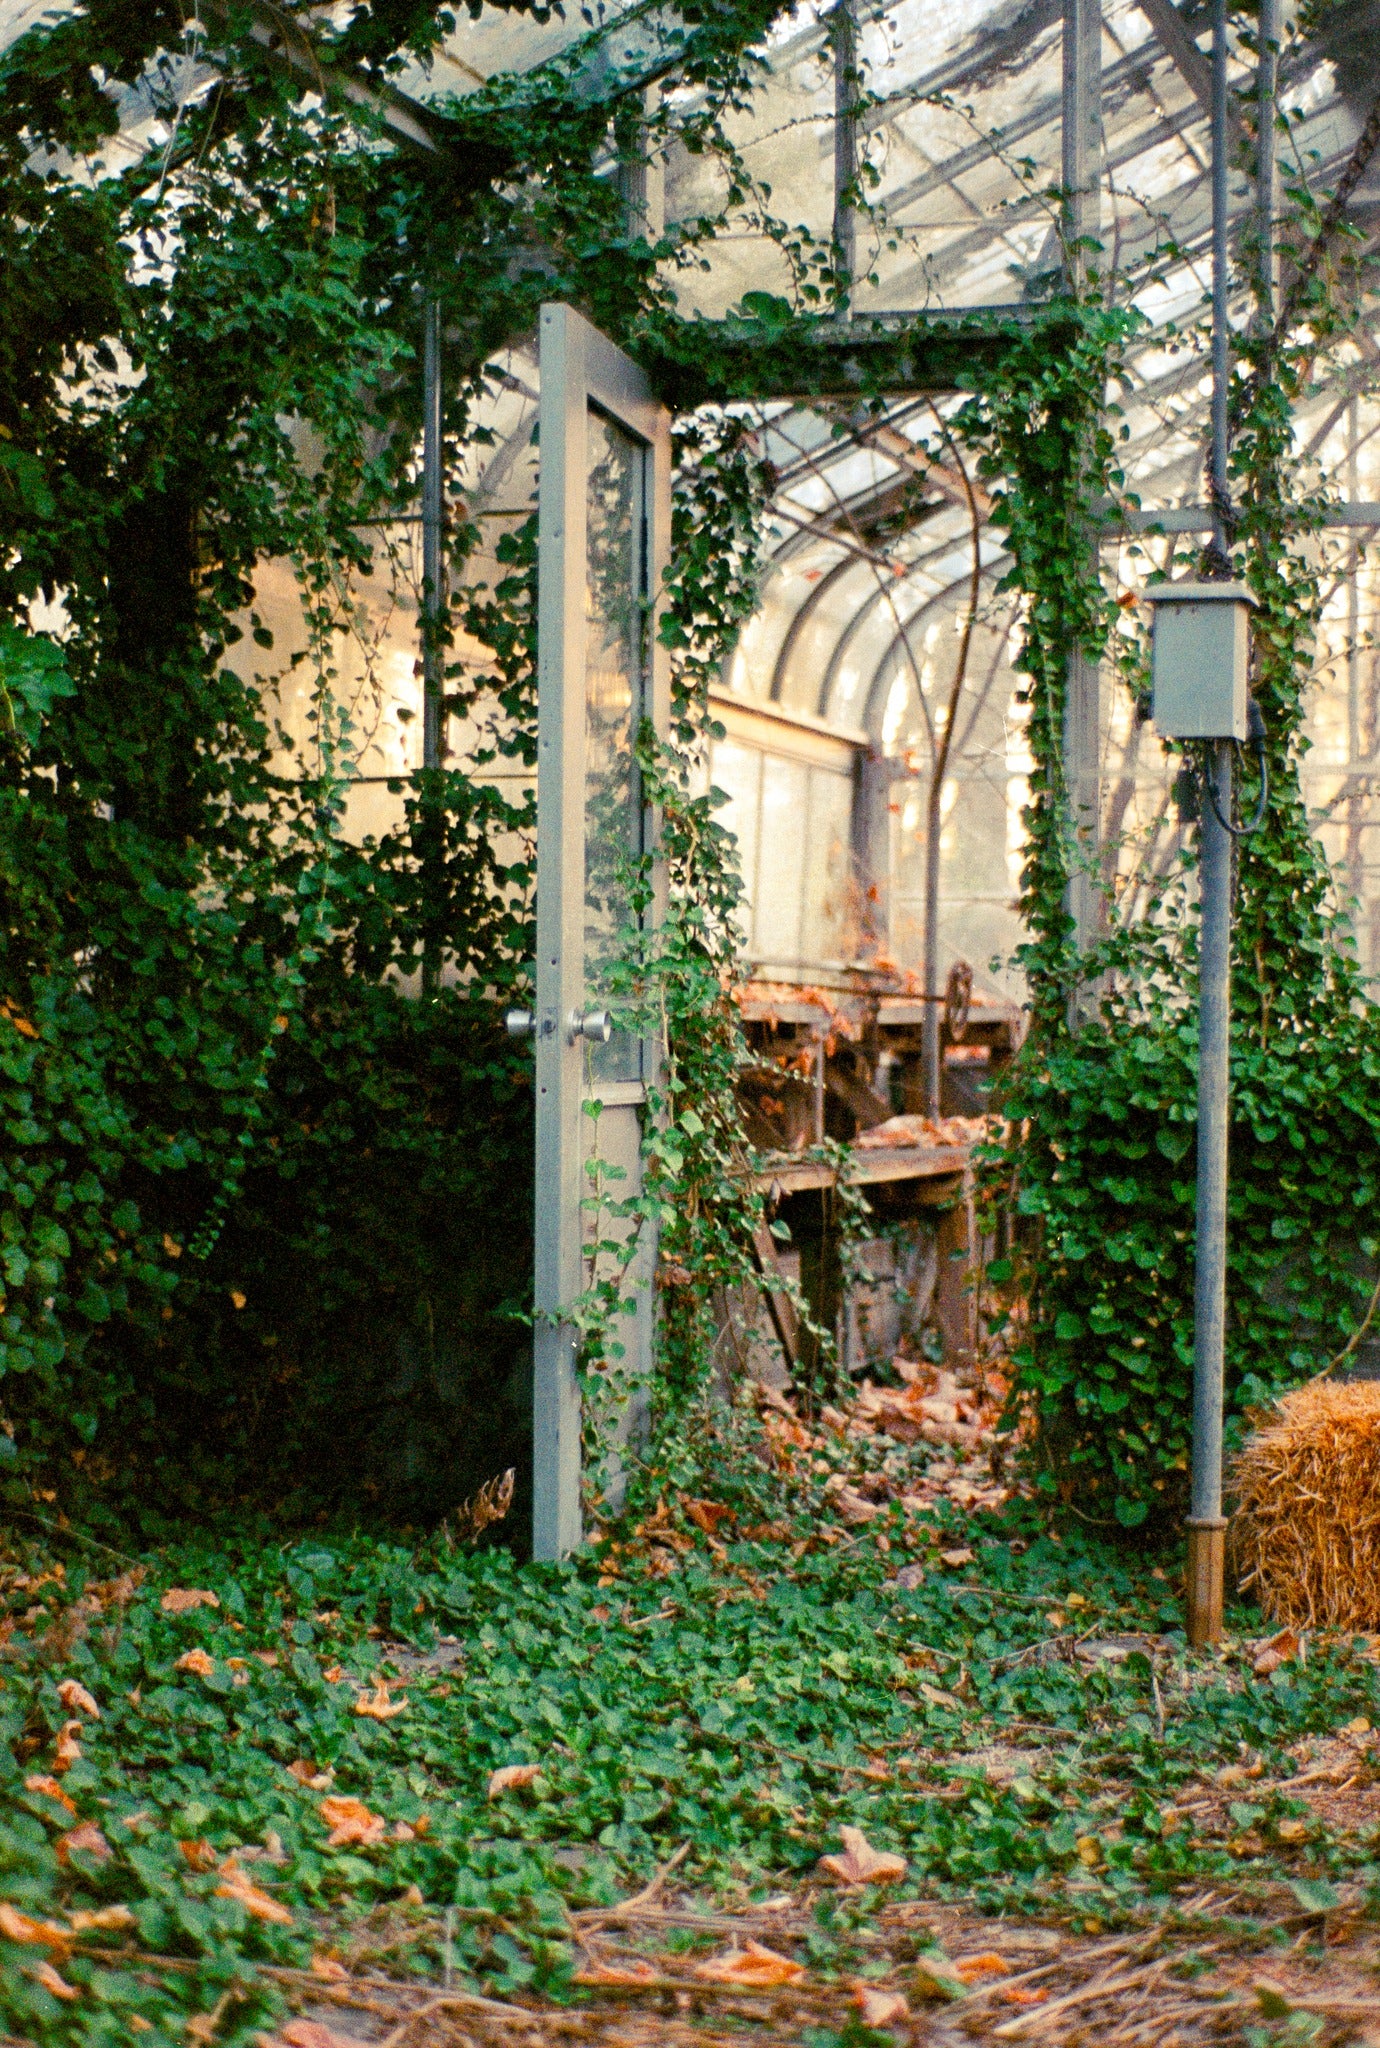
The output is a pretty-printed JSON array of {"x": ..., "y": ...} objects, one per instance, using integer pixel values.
[{"x": 604, "y": 514}]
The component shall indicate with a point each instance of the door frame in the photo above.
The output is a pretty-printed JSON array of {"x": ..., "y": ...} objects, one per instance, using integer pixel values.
[{"x": 580, "y": 369}]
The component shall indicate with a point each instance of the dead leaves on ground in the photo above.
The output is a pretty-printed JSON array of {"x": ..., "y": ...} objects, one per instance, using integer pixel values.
[
  {"x": 306, "y": 1773},
  {"x": 197, "y": 1662},
  {"x": 753, "y": 1966},
  {"x": 67, "y": 1750},
  {"x": 635, "y": 1974},
  {"x": 84, "y": 1840},
  {"x": 511, "y": 1778},
  {"x": 53, "y": 1982},
  {"x": 879, "y": 2008},
  {"x": 260, "y": 1905},
  {"x": 77, "y": 1699},
  {"x": 50, "y": 1789},
  {"x": 182, "y": 1599},
  {"x": 378, "y": 1705},
  {"x": 23, "y": 1928},
  {"x": 1277, "y": 1649},
  {"x": 350, "y": 1821},
  {"x": 860, "y": 1863}
]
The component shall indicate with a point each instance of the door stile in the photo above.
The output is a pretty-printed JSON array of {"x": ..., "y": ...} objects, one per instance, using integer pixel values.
[
  {"x": 580, "y": 368},
  {"x": 560, "y": 930}
]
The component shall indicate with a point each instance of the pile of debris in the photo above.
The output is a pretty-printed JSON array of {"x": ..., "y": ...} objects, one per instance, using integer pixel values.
[
  {"x": 938, "y": 1132},
  {"x": 953, "y": 1415}
]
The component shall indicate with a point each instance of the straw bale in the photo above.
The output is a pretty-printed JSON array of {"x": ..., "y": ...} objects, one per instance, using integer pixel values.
[{"x": 1306, "y": 1487}]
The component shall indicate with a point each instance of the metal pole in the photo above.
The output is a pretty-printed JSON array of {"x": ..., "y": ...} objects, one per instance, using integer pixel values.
[
  {"x": 432, "y": 678},
  {"x": 1221, "y": 327},
  {"x": 844, "y": 31},
  {"x": 1266, "y": 109},
  {"x": 1081, "y": 134},
  {"x": 1206, "y": 1524},
  {"x": 431, "y": 535}
]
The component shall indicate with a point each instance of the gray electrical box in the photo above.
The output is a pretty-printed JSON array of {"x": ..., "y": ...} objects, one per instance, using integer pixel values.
[{"x": 1201, "y": 659}]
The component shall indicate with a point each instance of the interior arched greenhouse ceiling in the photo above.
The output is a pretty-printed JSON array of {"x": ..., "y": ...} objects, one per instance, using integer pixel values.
[{"x": 959, "y": 135}]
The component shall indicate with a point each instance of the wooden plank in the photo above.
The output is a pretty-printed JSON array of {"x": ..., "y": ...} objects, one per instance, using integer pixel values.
[
  {"x": 870, "y": 1166},
  {"x": 782, "y": 1310}
]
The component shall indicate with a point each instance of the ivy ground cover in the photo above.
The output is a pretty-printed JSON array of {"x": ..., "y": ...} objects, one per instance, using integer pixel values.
[{"x": 429, "y": 1759}]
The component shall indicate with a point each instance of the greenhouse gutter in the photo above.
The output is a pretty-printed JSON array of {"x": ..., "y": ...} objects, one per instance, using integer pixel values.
[{"x": 931, "y": 350}]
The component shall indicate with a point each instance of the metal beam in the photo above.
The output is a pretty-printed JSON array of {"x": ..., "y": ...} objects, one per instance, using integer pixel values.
[
  {"x": 1082, "y": 220},
  {"x": 1193, "y": 67}
]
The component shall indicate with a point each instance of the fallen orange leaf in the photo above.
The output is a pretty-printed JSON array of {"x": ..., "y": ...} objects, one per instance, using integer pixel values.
[
  {"x": 955, "y": 1557},
  {"x": 234, "y": 1884},
  {"x": 1016, "y": 1994},
  {"x": 200, "y": 1855},
  {"x": 332, "y": 1674},
  {"x": 316, "y": 2034},
  {"x": 988, "y": 1964},
  {"x": 511, "y": 1777},
  {"x": 77, "y": 1699},
  {"x": 751, "y": 1965},
  {"x": 197, "y": 1662},
  {"x": 50, "y": 1789},
  {"x": 306, "y": 1773},
  {"x": 1268, "y": 1656},
  {"x": 860, "y": 1863},
  {"x": 377, "y": 1706},
  {"x": 327, "y": 1969},
  {"x": 102, "y": 1919},
  {"x": 617, "y": 1973},
  {"x": 879, "y": 2008},
  {"x": 17, "y": 1926},
  {"x": 182, "y": 1599},
  {"x": 707, "y": 1514},
  {"x": 86, "y": 1840},
  {"x": 68, "y": 1750},
  {"x": 351, "y": 1821},
  {"x": 47, "y": 1976}
]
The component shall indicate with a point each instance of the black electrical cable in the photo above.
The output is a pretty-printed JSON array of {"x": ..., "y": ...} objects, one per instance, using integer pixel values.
[{"x": 1255, "y": 733}]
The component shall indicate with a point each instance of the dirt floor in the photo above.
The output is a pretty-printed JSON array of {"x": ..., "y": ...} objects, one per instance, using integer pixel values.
[{"x": 1218, "y": 1968}]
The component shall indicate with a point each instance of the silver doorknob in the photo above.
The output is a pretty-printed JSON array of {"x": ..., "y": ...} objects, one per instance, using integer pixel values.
[
  {"x": 520, "y": 1023},
  {"x": 595, "y": 1025}
]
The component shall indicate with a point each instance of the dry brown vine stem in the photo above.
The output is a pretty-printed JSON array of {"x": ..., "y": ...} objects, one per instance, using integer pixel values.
[
  {"x": 1105, "y": 1986},
  {"x": 599, "y": 1915}
]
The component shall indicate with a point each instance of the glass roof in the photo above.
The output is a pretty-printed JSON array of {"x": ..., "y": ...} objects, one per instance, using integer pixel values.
[{"x": 961, "y": 125}]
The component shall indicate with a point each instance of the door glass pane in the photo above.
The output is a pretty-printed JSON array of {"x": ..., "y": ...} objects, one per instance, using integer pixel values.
[{"x": 614, "y": 664}]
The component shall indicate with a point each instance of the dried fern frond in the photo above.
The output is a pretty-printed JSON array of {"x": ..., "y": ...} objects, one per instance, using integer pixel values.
[{"x": 475, "y": 1515}]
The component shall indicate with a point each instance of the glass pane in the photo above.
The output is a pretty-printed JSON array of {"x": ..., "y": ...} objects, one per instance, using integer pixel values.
[
  {"x": 737, "y": 772},
  {"x": 613, "y": 706},
  {"x": 781, "y": 861}
]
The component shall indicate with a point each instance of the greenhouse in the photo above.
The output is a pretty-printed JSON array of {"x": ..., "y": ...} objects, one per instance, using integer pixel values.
[{"x": 690, "y": 1043}]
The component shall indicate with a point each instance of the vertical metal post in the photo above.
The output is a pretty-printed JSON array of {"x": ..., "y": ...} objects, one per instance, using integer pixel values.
[
  {"x": 1206, "y": 1525},
  {"x": 432, "y": 572},
  {"x": 843, "y": 30},
  {"x": 642, "y": 182},
  {"x": 1266, "y": 174},
  {"x": 432, "y": 655},
  {"x": 1082, "y": 179}
]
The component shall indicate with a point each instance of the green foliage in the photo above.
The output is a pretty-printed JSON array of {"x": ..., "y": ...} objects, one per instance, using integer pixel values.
[
  {"x": 735, "y": 1705},
  {"x": 265, "y": 1217},
  {"x": 1103, "y": 1095}
]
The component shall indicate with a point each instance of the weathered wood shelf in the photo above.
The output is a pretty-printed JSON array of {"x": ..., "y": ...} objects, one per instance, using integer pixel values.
[{"x": 789, "y": 1175}]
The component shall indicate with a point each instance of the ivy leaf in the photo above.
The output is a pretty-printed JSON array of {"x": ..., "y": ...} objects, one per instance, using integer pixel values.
[
  {"x": 33, "y": 677},
  {"x": 1315, "y": 1895}
]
